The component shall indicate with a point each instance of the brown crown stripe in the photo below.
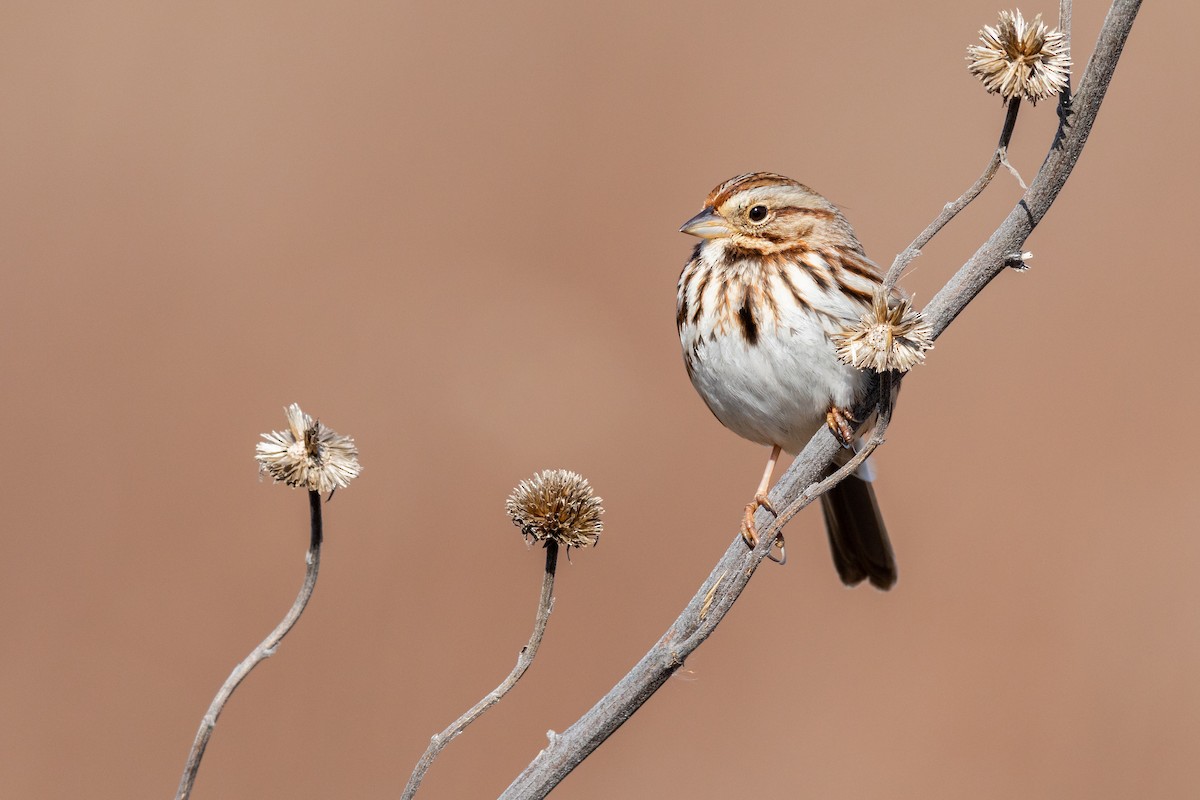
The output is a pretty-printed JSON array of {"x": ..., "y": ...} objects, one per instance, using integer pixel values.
[{"x": 751, "y": 180}]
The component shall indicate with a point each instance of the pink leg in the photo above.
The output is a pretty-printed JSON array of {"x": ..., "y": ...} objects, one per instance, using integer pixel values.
[{"x": 760, "y": 499}]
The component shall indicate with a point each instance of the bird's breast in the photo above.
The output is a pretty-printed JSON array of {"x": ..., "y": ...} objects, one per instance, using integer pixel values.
[{"x": 757, "y": 350}]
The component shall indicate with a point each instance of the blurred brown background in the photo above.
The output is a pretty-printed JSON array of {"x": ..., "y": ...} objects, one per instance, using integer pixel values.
[{"x": 450, "y": 231}]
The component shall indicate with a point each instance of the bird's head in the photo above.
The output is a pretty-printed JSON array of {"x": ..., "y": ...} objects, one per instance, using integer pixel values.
[{"x": 765, "y": 213}]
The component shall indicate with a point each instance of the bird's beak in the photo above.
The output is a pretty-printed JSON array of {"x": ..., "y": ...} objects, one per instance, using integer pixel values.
[{"x": 708, "y": 224}]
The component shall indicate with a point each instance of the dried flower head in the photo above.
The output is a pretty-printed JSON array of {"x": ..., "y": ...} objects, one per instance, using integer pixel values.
[
  {"x": 1021, "y": 59},
  {"x": 308, "y": 454},
  {"x": 557, "y": 504},
  {"x": 888, "y": 338}
]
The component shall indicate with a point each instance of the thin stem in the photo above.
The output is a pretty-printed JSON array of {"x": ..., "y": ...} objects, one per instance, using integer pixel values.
[
  {"x": 1064, "y": 25},
  {"x": 951, "y": 210},
  {"x": 524, "y": 659},
  {"x": 1064, "y": 97},
  {"x": 265, "y": 650}
]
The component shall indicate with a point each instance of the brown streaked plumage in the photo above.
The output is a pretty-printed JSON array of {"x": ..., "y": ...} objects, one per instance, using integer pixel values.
[{"x": 779, "y": 270}]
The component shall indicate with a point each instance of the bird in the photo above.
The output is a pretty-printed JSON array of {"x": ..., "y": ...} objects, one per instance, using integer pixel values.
[{"x": 777, "y": 271}]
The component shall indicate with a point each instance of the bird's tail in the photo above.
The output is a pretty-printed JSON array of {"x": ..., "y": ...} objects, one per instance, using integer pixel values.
[{"x": 857, "y": 535}]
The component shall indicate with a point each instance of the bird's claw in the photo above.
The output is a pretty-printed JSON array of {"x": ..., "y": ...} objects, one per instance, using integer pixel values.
[
  {"x": 840, "y": 421},
  {"x": 749, "y": 529}
]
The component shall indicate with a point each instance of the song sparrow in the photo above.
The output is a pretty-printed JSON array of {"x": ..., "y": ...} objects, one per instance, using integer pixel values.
[{"x": 777, "y": 270}]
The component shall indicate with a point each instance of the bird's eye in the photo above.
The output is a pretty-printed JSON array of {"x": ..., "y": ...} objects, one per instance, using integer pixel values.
[{"x": 757, "y": 213}]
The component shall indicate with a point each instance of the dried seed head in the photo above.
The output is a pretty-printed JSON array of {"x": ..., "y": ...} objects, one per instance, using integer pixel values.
[
  {"x": 557, "y": 504},
  {"x": 888, "y": 338},
  {"x": 1021, "y": 59},
  {"x": 308, "y": 455}
]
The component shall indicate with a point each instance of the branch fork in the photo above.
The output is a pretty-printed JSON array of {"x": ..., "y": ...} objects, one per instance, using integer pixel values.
[{"x": 801, "y": 483}]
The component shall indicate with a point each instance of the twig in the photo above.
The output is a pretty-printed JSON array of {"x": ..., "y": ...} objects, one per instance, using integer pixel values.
[
  {"x": 951, "y": 210},
  {"x": 524, "y": 659},
  {"x": 990, "y": 259},
  {"x": 732, "y": 573},
  {"x": 1064, "y": 97},
  {"x": 265, "y": 650},
  {"x": 1064, "y": 25}
]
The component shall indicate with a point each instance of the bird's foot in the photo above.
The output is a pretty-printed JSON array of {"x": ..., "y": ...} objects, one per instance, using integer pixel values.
[
  {"x": 841, "y": 422},
  {"x": 749, "y": 530}
]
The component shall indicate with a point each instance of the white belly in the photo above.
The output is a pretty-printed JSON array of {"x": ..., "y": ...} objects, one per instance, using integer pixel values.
[{"x": 777, "y": 390}]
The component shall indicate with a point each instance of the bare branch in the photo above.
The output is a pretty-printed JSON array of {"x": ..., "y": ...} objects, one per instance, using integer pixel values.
[
  {"x": 731, "y": 574},
  {"x": 989, "y": 260},
  {"x": 524, "y": 659},
  {"x": 1064, "y": 25},
  {"x": 951, "y": 210},
  {"x": 265, "y": 650},
  {"x": 1064, "y": 97}
]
